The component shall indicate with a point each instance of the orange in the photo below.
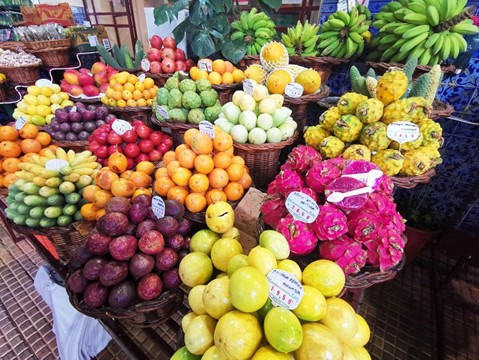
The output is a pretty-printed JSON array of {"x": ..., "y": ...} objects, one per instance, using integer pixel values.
[
  {"x": 201, "y": 74},
  {"x": 149, "y": 83},
  {"x": 162, "y": 185},
  {"x": 140, "y": 179},
  {"x": 168, "y": 157},
  {"x": 8, "y": 133},
  {"x": 230, "y": 152},
  {"x": 229, "y": 67},
  {"x": 146, "y": 167},
  {"x": 181, "y": 176},
  {"x": 245, "y": 180},
  {"x": 235, "y": 172},
  {"x": 193, "y": 72},
  {"x": 99, "y": 214},
  {"x": 137, "y": 94},
  {"x": 44, "y": 138},
  {"x": 228, "y": 78},
  {"x": 9, "y": 179},
  {"x": 126, "y": 174},
  {"x": 28, "y": 131},
  {"x": 161, "y": 172},
  {"x": 30, "y": 146},
  {"x": 189, "y": 135},
  {"x": 89, "y": 191},
  {"x": 222, "y": 160},
  {"x": 222, "y": 141},
  {"x": 195, "y": 202},
  {"x": 139, "y": 86},
  {"x": 105, "y": 178},
  {"x": 238, "y": 75},
  {"x": 11, "y": 164},
  {"x": 148, "y": 102},
  {"x": 129, "y": 87},
  {"x": 237, "y": 160},
  {"x": 179, "y": 149},
  {"x": 201, "y": 144},
  {"x": 234, "y": 191},
  {"x": 186, "y": 158},
  {"x": 171, "y": 167},
  {"x": 132, "y": 79},
  {"x": 131, "y": 103},
  {"x": 178, "y": 193},
  {"x": 204, "y": 164},
  {"x": 101, "y": 197},
  {"x": 153, "y": 91},
  {"x": 219, "y": 66},
  {"x": 215, "y": 78},
  {"x": 199, "y": 183},
  {"x": 123, "y": 188},
  {"x": 218, "y": 178},
  {"x": 146, "y": 94},
  {"x": 215, "y": 195},
  {"x": 118, "y": 87},
  {"x": 1, "y": 181},
  {"x": 141, "y": 102},
  {"x": 126, "y": 95},
  {"x": 121, "y": 103},
  {"x": 117, "y": 162},
  {"x": 122, "y": 77},
  {"x": 88, "y": 212},
  {"x": 116, "y": 95}
]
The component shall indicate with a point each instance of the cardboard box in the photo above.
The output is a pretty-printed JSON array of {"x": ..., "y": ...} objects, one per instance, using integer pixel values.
[
  {"x": 59, "y": 14},
  {"x": 85, "y": 39}
]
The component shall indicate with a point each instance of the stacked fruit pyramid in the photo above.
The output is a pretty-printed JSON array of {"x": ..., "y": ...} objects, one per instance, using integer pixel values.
[
  {"x": 244, "y": 314},
  {"x": 429, "y": 30},
  {"x": 128, "y": 90},
  {"x": 357, "y": 127},
  {"x": 218, "y": 72}
]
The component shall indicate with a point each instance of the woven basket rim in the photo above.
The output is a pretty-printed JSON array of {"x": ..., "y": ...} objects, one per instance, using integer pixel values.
[
  {"x": 327, "y": 60},
  {"x": 157, "y": 76},
  {"x": 304, "y": 99},
  {"x": 409, "y": 182},
  {"x": 2, "y": 67},
  {"x": 227, "y": 86},
  {"x": 35, "y": 45},
  {"x": 446, "y": 68},
  {"x": 78, "y": 143},
  {"x": 175, "y": 126},
  {"x": 253, "y": 148},
  {"x": 39, "y": 51},
  {"x": 251, "y": 57},
  {"x": 128, "y": 109}
]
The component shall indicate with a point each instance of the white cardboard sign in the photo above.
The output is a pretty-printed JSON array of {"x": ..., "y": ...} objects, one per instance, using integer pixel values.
[
  {"x": 302, "y": 207},
  {"x": 284, "y": 289}
]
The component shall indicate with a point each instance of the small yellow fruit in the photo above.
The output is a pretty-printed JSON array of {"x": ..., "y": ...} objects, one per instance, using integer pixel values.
[
  {"x": 277, "y": 81},
  {"x": 310, "y": 80}
]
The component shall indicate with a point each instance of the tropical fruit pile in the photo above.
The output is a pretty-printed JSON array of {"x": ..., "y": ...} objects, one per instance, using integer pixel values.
[
  {"x": 431, "y": 31},
  {"x": 258, "y": 118},
  {"x": 246, "y": 311},
  {"x": 47, "y": 192},
  {"x": 357, "y": 128},
  {"x": 186, "y": 101},
  {"x": 17, "y": 146},
  {"x": 218, "y": 72},
  {"x": 202, "y": 171},
  {"x": 87, "y": 82},
  {"x": 131, "y": 256},
  {"x": 38, "y": 106},
  {"x": 255, "y": 29},
  {"x": 126, "y": 89}
]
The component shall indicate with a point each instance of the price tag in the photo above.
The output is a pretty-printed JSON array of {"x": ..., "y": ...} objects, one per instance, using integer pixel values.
[
  {"x": 403, "y": 131},
  {"x": 205, "y": 65},
  {"x": 56, "y": 164},
  {"x": 141, "y": 77},
  {"x": 73, "y": 109},
  {"x": 106, "y": 44},
  {"x": 145, "y": 65},
  {"x": 284, "y": 289},
  {"x": 207, "y": 128},
  {"x": 43, "y": 82},
  {"x": 248, "y": 87},
  {"x": 21, "y": 121},
  {"x": 158, "y": 207},
  {"x": 161, "y": 110},
  {"x": 93, "y": 40},
  {"x": 302, "y": 207},
  {"x": 121, "y": 126},
  {"x": 293, "y": 90}
]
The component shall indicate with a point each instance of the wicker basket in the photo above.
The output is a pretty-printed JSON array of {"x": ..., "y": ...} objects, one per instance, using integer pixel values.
[
  {"x": 77, "y": 146},
  {"x": 142, "y": 314},
  {"x": 440, "y": 110},
  {"x": 409, "y": 182},
  {"x": 324, "y": 65},
  {"x": 3, "y": 191},
  {"x": 159, "y": 79},
  {"x": 262, "y": 160},
  {"x": 225, "y": 92},
  {"x": 87, "y": 100},
  {"x": 382, "y": 67},
  {"x": 3, "y": 90},
  {"x": 247, "y": 61},
  {"x": 22, "y": 75},
  {"x": 48, "y": 44},
  {"x": 177, "y": 129},
  {"x": 129, "y": 113},
  {"x": 12, "y": 46},
  {"x": 53, "y": 57}
]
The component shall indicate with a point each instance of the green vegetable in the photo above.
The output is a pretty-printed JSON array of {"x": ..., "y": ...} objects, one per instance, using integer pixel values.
[
  {"x": 35, "y": 200},
  {"x": 52, "y": 212},
  {"x": 128, "y": 61},
  {"x": 419, "y": 87},
  {"x": 47, "y": 223},
  {"x": 110, "y": 60},
  {"x": 119, "y": 56},
  {"x": 138, "y": 57}
]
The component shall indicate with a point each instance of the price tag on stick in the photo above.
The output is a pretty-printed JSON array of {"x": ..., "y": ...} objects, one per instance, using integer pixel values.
[
  {"x": 20, "y": 123},
  {"x": 294, "y": 90},
  {"x": 248, "y": 87},
  {"x": 158, "y": 207},
  {"x": 207, "y": 128},
  {"x": 284, "y": 289},
  {"x": 121, "y": 126},
  {"x": 161, "y": 110},
  {"x": 403, "y": 131},
  {"x": 145, "y": 65},
  {"x": 302, "y": 207},
  {"x": 205, "y": 65}
]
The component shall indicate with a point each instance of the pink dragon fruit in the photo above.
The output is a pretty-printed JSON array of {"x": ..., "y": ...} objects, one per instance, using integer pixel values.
[
  {"x": 390, "y": 250},
  {"x": 299, "y": 235},
  {"x": 382, "y": 205},
  {"x": 273, "y": 210},
  {"x": 322, "y": 173},
  {"x": 343, "y": 185},
  {"x": 272, "y": 188},
  {"x": 385, "y": 185},
  {"x": 372, "y": 251},
  {"x": 301, "y": 158},
  {"x": 363, "y": 225},
  {"x": 287, "y": 181},
  {"x": 397, "y": 223},
  {"x": 308, "y": 191},
  {"x": 330, "y": 224},
  {"x": 345, "y": 252}
]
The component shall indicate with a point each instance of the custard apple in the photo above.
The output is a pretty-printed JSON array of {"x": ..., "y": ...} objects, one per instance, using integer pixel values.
[
  {"x": 176, "y": 115},
  {"x": 202, "y": 85},
  {"x": 191, "y": 100},
  {"x": 186, "y": 85},
  {"x": 213, "y": 112},
  {"x": 162, "y": 96},
  {"x": 174, "y": 98},
  {"x": 172, "y": 83},
  {"x": 195, "y": 116},
  {"x": 209, "y": 97}
]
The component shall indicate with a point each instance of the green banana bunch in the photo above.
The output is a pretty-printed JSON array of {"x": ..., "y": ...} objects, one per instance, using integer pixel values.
[
  {"x": 301, "y": 40},
  {"x": 343, "y": 34},
  {"x": 255, "y": 28},
  {"x": 429, "y": 30}
]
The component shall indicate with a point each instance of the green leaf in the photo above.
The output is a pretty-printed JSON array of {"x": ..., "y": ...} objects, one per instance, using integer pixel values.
[
  {"x": 199, "y": 12},
  {"x": 274, "y": 4},
  {"x": 178, "y": 6},
  {"x": 160, "y": 14},
  {"x": 221, "y": 24},
  {"x": 218, "y": 5},
  {"x": 216, "y": 34},
  {"x": 234, "y": 51},
  {"x": 179, "y": 30},
  {"x": 203, "y": 45}
]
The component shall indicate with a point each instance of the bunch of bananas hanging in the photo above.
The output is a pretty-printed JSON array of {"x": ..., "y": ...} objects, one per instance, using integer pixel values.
[
  {"x": 429, "y": 30},
  {"x": 301, "y": 40},
  {"x": 255, "y": 28},
  {"x": 343, "y": 34}
]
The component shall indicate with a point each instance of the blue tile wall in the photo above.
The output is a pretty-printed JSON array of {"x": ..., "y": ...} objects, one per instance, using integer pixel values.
[{"x": 453, "y": 194}]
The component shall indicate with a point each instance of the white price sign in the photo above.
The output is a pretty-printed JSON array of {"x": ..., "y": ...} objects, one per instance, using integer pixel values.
[
  {"x": 284, "y": 289},
  {"x": 403, "y": 131},
  {"x": 73, "y": 109},
  {"x": 207, "y": 128},
  {"x": 56, "y": 164},
  {"x": 43, "y": 82},
  {"x": 158, "y": 206},
  {"x": 20, "y": 123},
  {"x": 145, "y": 65},
  {"x": 302, "y": 207},
  {"x": 205, "y": 65},
  {"x": 293, "y": 90},
  {"x": 248, "y": 87},
  {"x": 141, "y": 77},
  {"x": 121, "y": 126},
  {"x": 93, "y": 40},
  {"x": 161, "y": 110}
]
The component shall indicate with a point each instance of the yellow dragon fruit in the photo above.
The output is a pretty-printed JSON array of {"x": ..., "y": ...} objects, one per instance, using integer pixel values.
[
  {"x": 357, "y": 152},
  {"x": 411, "y": 145},
  {"x": 331, "y": 147},
  {"x": 329, "y": 118},
  {"x": 415, "y": 163},
  {"x": 314, "y": 135},
  {"x": 391, "y": 86},
  {"x": 370, "y": 111},
  {"x": 348, "y": 128},
  {"x": 431, "y": 131},
  {"x": 412, "y": 109},
  {"x": 432, "y": 153},
  {"x": 349, "y": 102},
  {"x": 374, "y": 136},
  {"x": 389, "y": 161}
]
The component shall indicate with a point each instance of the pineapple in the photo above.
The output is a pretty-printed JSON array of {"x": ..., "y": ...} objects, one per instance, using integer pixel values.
[
  {"x": 411, "y": 109},
  {"x": 430, "y": 130},
  {"x": 415, "y": 163},
  {"x": 391, "y": 86},
  {"x": 374, "y": 136},
  {"x": 329, "y": 118},
  {"x": 348, "y": 103},
  {"x": 348, "y": 128},
  {"x": 314, "y": 135},
  {"x": 411, "y": 145},
  {"x": 331, "y": 147},
  {"x": 389, "y": 161},
  {"x": 357, "y": 152},
  {"x": 370, "y": 111}
]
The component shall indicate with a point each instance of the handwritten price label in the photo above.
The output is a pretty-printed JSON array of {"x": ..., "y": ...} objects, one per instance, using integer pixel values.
[
  {"x": 56, "y": 164},
  {"x": 161, "y": 110},
  {"x": 20, "y": 123},
  {"x": 121, "y": 126},
  {"x": 207, "y": 128},
  {"x": 248, "y": 87},
  {"x": 284, "y": 289},
  {"x": 302, "y": 207},
  {"x": 145, "y": 65},
  {"x": 403, "y": 131},
  {"x": 158, "y": 207},
  {"x": 293, "y": 90},
  {"x": 205, "y": 65},
  {"x": 141, "y": 77}
]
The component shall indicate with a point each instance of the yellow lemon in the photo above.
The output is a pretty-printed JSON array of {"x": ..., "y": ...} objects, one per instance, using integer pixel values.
[
  {"x": 141, "y": 102},
  {"x": 49, "y": 118},
  {"x": 43, "y": 110},
  {"x": 104, "y": 100},
  {"x": 56, "y": 99},
  {"x": 55, "y": 107},
  {"x": 47, "y": 91},
  {"x": 64, "y": 96},
  {"x": 34, "y": 90},
  {"x": 30, "y": 99},
  {"x": 22, "y": 105},
  {"x": 122, "y": 77},
  {"x": 43, "y": 100},
  {"x": 67, "y": 103},
  {"x": 31, "y": 110},
  {"x": 38, "y": 120},
  {"x": 112, "y": 102},
  {"x": 56, "y": 88},
  {"x": 121, "y": 103}
]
